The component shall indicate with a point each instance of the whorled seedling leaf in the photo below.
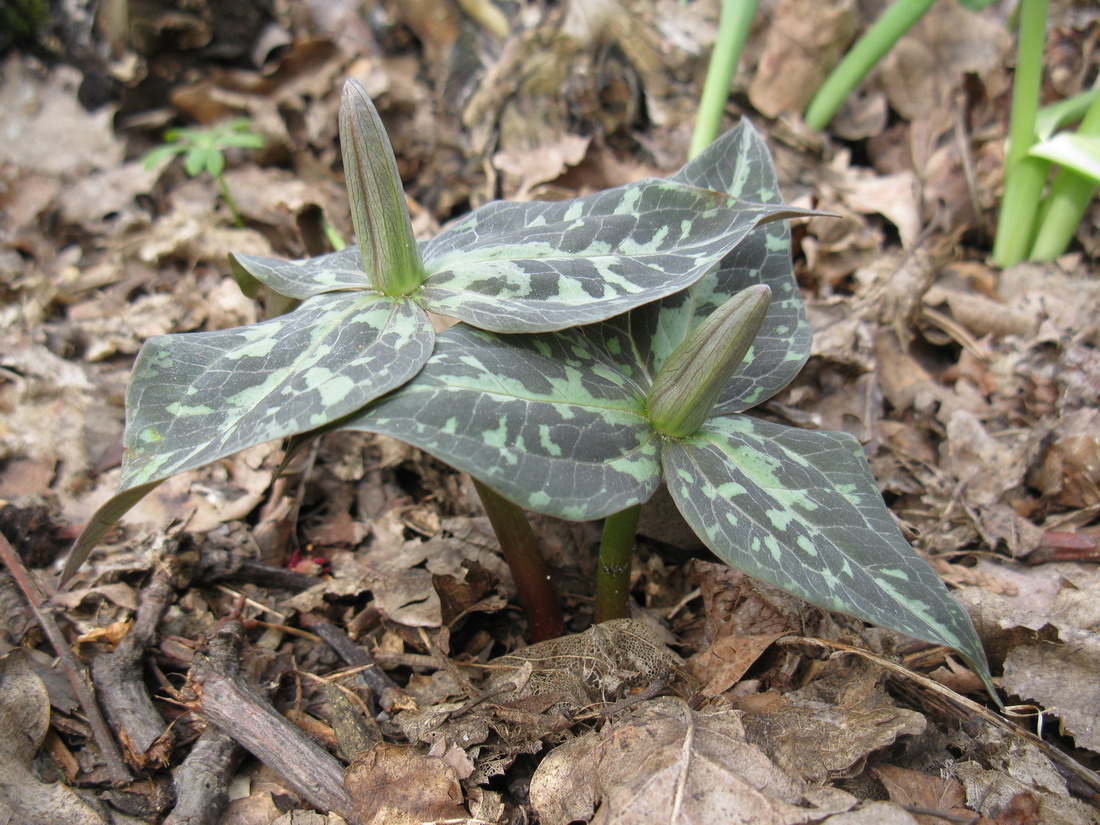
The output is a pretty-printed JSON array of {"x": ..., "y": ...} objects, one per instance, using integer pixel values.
[
  {"x": 202, "y": 396},
  {"x": 387, "y": 245},
  {"x": 557, "y": 424},
  {"x": 737, "y": 163},
  {"x": 547, "y": 421},
  {"x": 800, "y": 510},
  {"x": 536, "y": 267},
  {"x": 507, "y": 266}
]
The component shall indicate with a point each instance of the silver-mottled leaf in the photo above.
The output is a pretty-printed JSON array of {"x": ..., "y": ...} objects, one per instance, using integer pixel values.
[
  {"x": 534, "y": 267},
  {"x": 738, "y": 163},
  {"x": 799, "y": 509},
  {"x": 544, "y": 420},
  {"x": 198, "y": 397},
  {"x": 305, "y": 278}
]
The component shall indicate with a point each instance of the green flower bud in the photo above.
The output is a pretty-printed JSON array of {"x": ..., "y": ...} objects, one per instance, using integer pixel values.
[
  {"x": 381, "y": 219},
  {"x": 688, "y": 385}
]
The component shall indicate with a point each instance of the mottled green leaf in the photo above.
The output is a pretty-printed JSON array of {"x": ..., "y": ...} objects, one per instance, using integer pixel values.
[
  {"x": 739, "y": 163},
  {"x": 799, "y": 509},
  {"x": 334, "y": 272},
  {"x": 533, "y": 267},
  {"x": 545, "y": 420},
  {"x": 198, "y": 397}
]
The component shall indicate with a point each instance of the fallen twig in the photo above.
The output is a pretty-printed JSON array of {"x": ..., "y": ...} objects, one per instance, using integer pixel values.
[
  {"x": 202, "y": 781},
  {"x": 78, "y": 676},
  {"x": 371, "y": 677},
  {"x": 121, "y": 682},
  {"x": 224, "y": 698}
]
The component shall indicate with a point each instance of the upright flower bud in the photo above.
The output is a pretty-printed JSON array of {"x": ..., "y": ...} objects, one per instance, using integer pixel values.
[
  {"x": 378, "y": 212},
  {"x": 691, "y": 380}
]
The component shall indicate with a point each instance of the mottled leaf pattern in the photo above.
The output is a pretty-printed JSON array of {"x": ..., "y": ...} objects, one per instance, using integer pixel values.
[
  {"x": 535, "y": 267},
  {"x": 799, "y": 509},
  {"x": 308, "y": 277},
  {"x": 737, "y": 163},
  {"x": 545, "y": 420},
  {"x": 196, "y": 398}
]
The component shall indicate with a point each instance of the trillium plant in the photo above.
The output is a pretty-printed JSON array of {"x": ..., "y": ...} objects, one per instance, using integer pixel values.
[
  {"x": 610, "y": 343},
  {"x": 362, "y": 328},
  {"x": 586, "y": 423}
]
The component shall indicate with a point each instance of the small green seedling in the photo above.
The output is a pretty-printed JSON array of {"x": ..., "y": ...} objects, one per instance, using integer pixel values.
[
  {"x": 203, "y": 150},
  {"x": 585, "y": 423},
  {"x": 362, "y": 328}
]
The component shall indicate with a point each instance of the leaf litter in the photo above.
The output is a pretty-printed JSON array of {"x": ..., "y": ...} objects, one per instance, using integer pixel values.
[{"x": 974, "y": 392}]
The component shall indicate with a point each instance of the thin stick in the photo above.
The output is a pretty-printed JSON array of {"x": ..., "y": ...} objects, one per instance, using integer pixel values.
[{"x": 78, "y": 676}]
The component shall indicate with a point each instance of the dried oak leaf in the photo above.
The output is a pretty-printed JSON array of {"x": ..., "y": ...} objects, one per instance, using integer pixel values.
[
  {"x": 816, "y": 736},
  {"x": 663, "y": 763},
  {"x": 399, "y": 785}
]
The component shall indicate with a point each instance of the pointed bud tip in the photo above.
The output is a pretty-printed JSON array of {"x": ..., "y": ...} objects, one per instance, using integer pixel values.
[{"x": 693, "y": 377}]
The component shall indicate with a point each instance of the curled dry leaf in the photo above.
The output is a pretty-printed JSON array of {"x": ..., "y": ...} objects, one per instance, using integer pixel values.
[
  {"x": 1053, "y": 649},
  {"x": 665, "y": 763},
  {"x": 1018, "y": 768},
  {"x": 816, "y": 739}
]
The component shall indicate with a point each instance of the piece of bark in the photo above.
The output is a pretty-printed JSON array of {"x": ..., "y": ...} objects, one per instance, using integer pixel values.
[
  {"x": 202, "y": 781},
  {"x": 119, "y": 676},
  {"x": 354, "y": 731},
  {"x": 225, "y": 699}
]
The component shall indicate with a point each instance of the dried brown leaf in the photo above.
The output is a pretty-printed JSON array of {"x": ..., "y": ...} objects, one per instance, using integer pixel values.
[
  {"x": 818, "y": 740},
  {"x": 667, "y": 763},
  {"x": 399, "y": 785},
  {"x": 804, "y": 40}
]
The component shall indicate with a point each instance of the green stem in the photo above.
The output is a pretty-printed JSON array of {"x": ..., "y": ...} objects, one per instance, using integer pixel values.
[
  {"x": 228, "y": 198},
  {"x": 1024, "y": 176},
  {"x": 733, "y": 30},
  {"x": 1069, "y": 197},
  {"x": 868, "y": 50},
  {"x": 517, "y": 540},
  {"x": 613, "y": 573}
]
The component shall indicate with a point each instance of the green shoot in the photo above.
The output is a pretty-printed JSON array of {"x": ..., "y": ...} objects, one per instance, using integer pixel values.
[
  {"x": 733, "y": 30},
  {"x": 864, "y": 55},
  {"x": 203, "y": 150},
  {"x": 1073, "y": 185},
  {"x": 1025, "y": 175}
]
